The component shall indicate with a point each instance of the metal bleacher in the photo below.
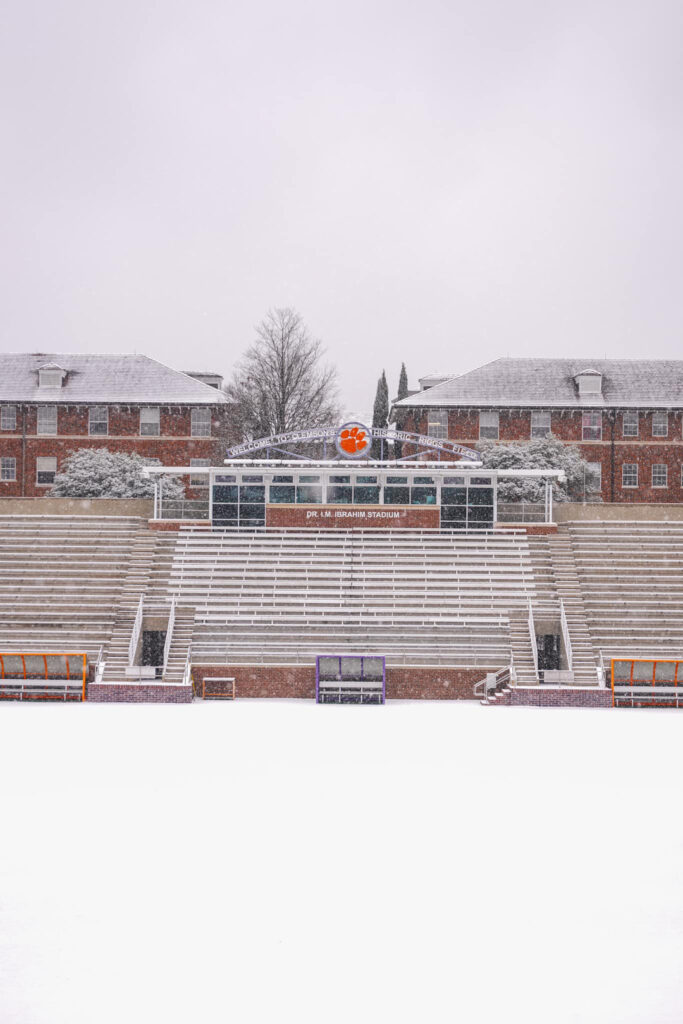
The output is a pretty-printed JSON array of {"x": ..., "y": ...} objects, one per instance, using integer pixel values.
[
  {"x": 631, "y": 579},
  {"x": 420, "y": 598}
]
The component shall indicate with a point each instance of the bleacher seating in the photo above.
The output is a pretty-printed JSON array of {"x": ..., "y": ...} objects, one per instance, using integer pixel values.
[
  {"x": 631, "y": 579},
  {"x": 61, "y": 578},
  {"x": 420, "y": 598}
]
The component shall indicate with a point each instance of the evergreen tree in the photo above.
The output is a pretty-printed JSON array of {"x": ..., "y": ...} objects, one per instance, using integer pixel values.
[
  {"x": 400, "y": 413},
  {"x": 380, "y": 413}
]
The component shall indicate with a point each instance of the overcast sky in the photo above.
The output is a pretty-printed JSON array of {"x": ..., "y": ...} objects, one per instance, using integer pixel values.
[{"x": 439, "y": 182}]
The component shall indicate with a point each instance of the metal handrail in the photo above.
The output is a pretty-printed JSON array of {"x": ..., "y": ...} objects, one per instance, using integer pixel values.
[
  {"x": 169, "y": 634},
  {"x": 137, "y": 629},
  {"x": 565, "y": 637},
  {"x": 532, "y": 636}
]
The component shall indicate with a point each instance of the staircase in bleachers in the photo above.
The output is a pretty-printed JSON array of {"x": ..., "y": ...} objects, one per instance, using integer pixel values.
[
  {"x": 422, "y": 598},
  {"x": 630, "y": 576}
]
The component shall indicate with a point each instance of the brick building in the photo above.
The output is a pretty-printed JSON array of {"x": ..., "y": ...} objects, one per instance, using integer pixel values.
[
  {"x": 53, "y": 404},
  {"x": 625, "y": 416}
]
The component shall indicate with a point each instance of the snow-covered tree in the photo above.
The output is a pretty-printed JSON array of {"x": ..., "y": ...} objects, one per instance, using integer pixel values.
[
  {"x": 99, "y": 473},
  {"x": 544, "y": 453}
]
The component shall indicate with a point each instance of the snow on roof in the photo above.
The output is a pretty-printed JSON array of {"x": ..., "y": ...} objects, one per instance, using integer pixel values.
[
  {"x": 101, "y": 378},
  {"x": 550, "y": 383}
]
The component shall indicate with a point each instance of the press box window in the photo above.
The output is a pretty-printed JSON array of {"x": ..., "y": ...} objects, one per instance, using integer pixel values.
[
  {"x": 8, "y": 469},
  {"x": 540, "y": 424},
  {"x": 201, "y": 423},
  {"x": 437, "y": 423},
  {"x": 8, "y": 417},
  {"x": 200, "y": 480},
  {"x": 47, "y": 419},
  {"x": 660, "y": 424},
  {"x": 149, "y": 427},
  {"x": 630, "y": 425},
  {"x": 99, "y": 420},
  {"x": 46, "y": 467},
  {"x": 592, "y": 426},
  {"x": 488, "y": 426},
  {"x": 659, "y": 475},
  {"x": 629, "y": 474}
]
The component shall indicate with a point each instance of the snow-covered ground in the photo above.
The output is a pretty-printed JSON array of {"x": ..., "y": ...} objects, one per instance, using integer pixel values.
[{"x": 273, "y": 862}]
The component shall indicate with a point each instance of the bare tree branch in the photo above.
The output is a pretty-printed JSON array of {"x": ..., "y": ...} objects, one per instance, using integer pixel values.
[{"x": 280, "y": 384}]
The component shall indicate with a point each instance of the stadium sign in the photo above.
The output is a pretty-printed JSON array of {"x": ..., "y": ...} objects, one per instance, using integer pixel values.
[{"x": 352, "y": 441}]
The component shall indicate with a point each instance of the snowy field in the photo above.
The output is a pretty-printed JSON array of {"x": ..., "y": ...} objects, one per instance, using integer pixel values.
[{"x": 269, "y": 862}]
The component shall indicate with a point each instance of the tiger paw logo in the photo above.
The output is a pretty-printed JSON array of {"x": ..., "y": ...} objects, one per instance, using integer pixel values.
[{"x": 353, "y": 440}]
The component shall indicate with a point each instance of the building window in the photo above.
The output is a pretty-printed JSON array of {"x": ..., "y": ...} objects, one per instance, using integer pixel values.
[
  {"x": 149, "y": 422},
  {"x": 593, "y": 477},
  {"x": 50, "y": 378},
  {"x": 660, "y": 424},
  {"x": 46, "y": 467},
  {"x": 8, "y": 469},
  {"x": 488, "y": 426},
  {"x": 540, "y": 424},
  {"x": 99, "y": 420},
  {"x": 592, "y": 426},
  {"x": 437, "y": 423},
  {"x": 659, "y": 475},
  {"x": 8, "y": 417},
  {"x": 201, "y": 423},
  {"x": 629, "y": 474},
  {"x": 201, "y": 480},
  {"x": 630, "y": 424},
  {"x": 47, "y": 419}
]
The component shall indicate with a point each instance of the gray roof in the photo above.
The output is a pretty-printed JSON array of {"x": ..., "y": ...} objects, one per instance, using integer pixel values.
[
  {"x": 125, "y": 379},
  {"x": 550, "y": 383}
]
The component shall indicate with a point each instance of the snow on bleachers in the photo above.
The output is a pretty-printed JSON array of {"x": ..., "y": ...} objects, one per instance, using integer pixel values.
[
  {"x": 631, "y": 579},
  {"x": 419, "y": 598},
  {"x": 60, "y": 580}
]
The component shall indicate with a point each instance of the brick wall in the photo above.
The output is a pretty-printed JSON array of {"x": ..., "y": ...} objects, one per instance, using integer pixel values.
[
  {"x": 128, "y": 693},
  {"x": 299, "y": 681},
  {"x": 173, "y": 447},
  {"x": 353, "y": 516},
  {"x": 565, "y": 697},
  {"x": 612, "y": 451}
]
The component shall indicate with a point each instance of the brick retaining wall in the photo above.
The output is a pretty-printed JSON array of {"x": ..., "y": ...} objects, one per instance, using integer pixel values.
[{"x": 114, "y": 693}]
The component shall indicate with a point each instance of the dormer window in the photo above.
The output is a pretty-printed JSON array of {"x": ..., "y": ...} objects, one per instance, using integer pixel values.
[
  {"x": 51, "y": 376},
  {"x": 589, "y": 383}
]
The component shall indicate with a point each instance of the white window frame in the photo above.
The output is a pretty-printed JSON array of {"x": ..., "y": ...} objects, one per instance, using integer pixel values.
[
  {"x": 437, "y": 423},
  {"x": 153, "y": 419},
  {"x": 632, "y": 413},
  {"x": 494, "y": 416},
  {"x": 8, "y": 417},
  {"x": 540, "y": 430},
  {"x": 8, "y": 464},
  {"x": 203, "y": 480},
  {"x": 44, "y": 459},
  {"x": 43, "y": 429},
  {"x": 587, "y": 428},
  {"x": 197, "y": 429},
  {"x": 662, "y": 427},
  {"x": 93, "y": 422},
  {"x": 657, "y": 466},
  {"x": 627, "y": 469}
]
